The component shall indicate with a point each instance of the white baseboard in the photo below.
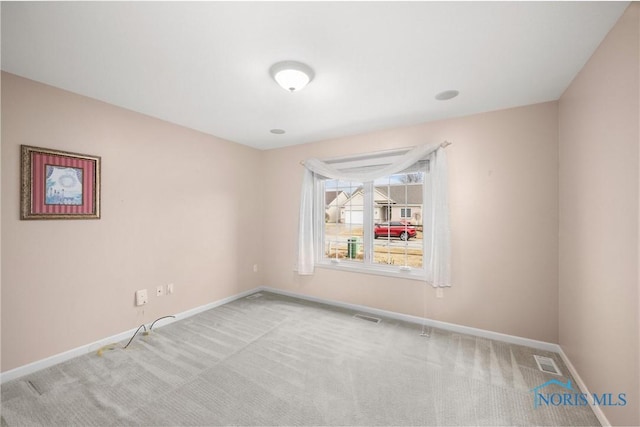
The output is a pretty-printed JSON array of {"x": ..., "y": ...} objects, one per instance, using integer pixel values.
[
  {"x": 61, "y": 357},
  {"x": 541, "y": 345},
  {"x": 94, "y": 346},
  {"x": 597, "y": 411}
]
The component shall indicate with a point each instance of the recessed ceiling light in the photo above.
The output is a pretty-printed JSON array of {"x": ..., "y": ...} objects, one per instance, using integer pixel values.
[
  {"x": 291, "y": 75},
  {"x": 277, "y": 131},
  {"x": 447, "y": 94}
]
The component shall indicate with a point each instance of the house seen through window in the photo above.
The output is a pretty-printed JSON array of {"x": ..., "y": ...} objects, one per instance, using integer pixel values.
[{"x": 377, "y": 225}]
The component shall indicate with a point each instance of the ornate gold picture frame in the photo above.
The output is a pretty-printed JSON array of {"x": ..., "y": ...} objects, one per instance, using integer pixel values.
[{"x": 59, "y": 184}]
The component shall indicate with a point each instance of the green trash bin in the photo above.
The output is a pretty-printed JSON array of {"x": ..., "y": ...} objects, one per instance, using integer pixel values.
[{"x": 352, "y": 247}]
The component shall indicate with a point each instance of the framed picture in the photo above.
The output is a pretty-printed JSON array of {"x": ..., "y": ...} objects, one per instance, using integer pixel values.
[{"x": 59, "y": 185}]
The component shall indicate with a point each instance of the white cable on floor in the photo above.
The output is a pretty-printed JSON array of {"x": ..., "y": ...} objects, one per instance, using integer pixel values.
[{"x": 424, "y": 332}]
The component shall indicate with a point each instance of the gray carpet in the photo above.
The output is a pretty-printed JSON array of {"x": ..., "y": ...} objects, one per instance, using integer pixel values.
[{"x": 274, "y": 360}]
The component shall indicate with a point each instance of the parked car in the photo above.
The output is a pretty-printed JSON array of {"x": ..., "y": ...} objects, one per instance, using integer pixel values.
[{"x": 402, "y": 230}]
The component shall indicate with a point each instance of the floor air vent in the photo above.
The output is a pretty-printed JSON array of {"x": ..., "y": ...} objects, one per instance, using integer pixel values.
[
  {"x": 256, "y": 295},
  {"x": 367, "y": 318},
  {"x": 547, "y": 364},
  {"x": 33, "y": 386}
]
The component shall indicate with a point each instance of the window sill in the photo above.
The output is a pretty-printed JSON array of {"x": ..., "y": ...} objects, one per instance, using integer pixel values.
[{"x": 353, "y": 267}]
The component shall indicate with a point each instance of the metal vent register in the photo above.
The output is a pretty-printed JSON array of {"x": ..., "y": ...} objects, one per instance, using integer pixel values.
[
  {"x": 547, "y": 364},
  {"x": 367, "y": 318}
]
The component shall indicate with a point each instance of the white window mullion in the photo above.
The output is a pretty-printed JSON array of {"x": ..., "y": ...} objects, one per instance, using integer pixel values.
[
  {"x": 353, "y": 215},
  {"x": 426, "y": 218},
  {"x": 367, "y": 223},
  {"x": 318, "y": 220},
  {"x": 406, "y": 243}
]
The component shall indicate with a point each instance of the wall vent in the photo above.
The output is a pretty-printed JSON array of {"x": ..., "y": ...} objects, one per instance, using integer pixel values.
[
  {"x": 547, "y": 364},
  {"x": 253, "y": 296},
  {"x": 367, "y": 318}
]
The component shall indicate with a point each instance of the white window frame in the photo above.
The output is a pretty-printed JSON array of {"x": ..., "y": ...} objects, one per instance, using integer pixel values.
[{"x": 367, "y": 266}]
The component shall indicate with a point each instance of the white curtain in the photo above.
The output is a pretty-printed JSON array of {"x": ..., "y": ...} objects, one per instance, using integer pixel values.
[
  {"x": 439, "y": 264},
  {"x": 306, "y": 254},
  {"x": 439, "y": 270}
]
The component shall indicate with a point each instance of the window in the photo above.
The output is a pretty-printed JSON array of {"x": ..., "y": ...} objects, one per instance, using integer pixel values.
[
  {"x": 344, "y": 219},
  {"x": 376, "y": 226},
  {"x": 384, "y": 212}
]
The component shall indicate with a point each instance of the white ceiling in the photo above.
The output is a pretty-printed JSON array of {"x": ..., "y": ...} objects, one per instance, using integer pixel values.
[{"x": 205, "y": 65}]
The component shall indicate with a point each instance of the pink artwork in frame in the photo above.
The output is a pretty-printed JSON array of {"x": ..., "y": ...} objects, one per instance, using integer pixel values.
[{"x": 59, "y": 184}]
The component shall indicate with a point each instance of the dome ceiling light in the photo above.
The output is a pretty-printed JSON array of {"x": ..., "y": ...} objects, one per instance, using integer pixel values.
[{"x": 291, "y": 75}]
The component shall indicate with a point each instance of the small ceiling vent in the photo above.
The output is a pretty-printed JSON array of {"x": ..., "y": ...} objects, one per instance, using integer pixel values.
[
  {"x": 367, "y": 318},
  {"x": 547, "y": 364}
]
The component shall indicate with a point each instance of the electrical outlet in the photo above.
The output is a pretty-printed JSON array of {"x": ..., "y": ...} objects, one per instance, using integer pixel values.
[
  {"x": 160, "y": 291},
  {"x": 169, "y": 288},
  {"x": 255, "y": 268},
  {"x": 142, "y": 297},
  {"x": 439, "y": 293}
]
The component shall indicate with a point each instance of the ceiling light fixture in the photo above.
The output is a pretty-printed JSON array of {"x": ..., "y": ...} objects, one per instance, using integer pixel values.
[
  {"x": 447, "y": 94},
  {"x": 291, "y": 75}
]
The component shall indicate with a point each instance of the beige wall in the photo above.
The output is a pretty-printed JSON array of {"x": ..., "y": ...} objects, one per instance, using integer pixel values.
[
  {"x": 599, "y": 195},
  {"x": 1, "y": 180},
  {"x": 177, "y": 206},
  {"x": 504, "y": 205},
  {"x": 187, "y": 208}
]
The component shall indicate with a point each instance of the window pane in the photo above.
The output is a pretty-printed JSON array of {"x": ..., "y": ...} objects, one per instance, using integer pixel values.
[
  {"x": 344, "y": 217},
  {"x": 397, "y": 213}
]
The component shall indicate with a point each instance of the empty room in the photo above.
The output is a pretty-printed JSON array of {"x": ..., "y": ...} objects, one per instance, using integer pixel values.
[{"x": 320, "y": 213}]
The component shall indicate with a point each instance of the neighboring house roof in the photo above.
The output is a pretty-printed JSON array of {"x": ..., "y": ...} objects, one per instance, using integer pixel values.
[
  {"x": 410, "y": 194},
  {"x": 331, "y": 196},
  {"x": 358, "y": 193}
]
